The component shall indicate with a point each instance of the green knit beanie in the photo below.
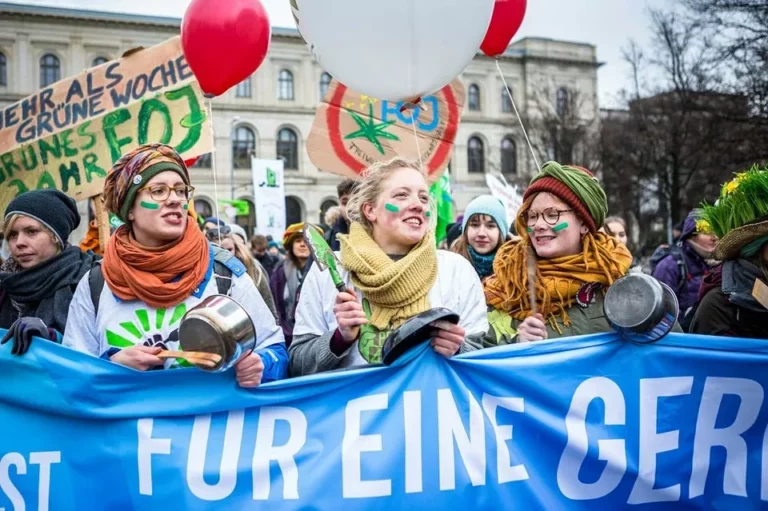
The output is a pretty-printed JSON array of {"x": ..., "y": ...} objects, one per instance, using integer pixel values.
[{"x": 141, "y": 180}]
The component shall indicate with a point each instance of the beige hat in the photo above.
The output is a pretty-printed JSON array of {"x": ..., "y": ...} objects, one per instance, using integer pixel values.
[{"x": 730, "y": 245}]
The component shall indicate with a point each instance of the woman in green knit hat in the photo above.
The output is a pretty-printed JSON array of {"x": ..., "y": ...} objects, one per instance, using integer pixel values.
[
  {"x": 734, "y": 298},
  {"x": 551, "y": 283}
]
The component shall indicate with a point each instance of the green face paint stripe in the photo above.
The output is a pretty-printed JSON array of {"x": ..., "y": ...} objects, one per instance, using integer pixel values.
[
  {"x": 530, "y": 229},
  {"x": 149, "y": 205},
  {"x": 185, "y": 206},
  {"x": 560, "y": 227},
  {"x": 391, "y": 207},
  {"x": 428, "y": 213}
]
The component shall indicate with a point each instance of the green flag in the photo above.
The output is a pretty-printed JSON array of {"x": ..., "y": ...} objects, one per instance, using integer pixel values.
[
  {"x": 441, "y": 194},
  {"x": 241, "y": 206}
]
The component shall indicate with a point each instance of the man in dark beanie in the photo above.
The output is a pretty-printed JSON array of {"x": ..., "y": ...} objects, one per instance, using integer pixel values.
[{"x": 38, "y": 281}]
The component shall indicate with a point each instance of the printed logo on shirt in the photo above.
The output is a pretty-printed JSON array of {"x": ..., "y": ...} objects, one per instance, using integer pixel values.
[
  {"x": 144, "y": 332},
  {"x": 371, "y": 338}
]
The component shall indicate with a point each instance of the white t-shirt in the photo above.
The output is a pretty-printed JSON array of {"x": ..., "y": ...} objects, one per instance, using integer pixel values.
[
  {"x": 457, "y": 288},
  {"x": 120, "y": 324}
]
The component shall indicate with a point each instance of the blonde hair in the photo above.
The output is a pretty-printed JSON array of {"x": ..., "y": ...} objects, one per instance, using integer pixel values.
[
  {"x": 369, "y": 189},
  {"x": 12, "y": 220},
  {"x": 333, "y": 214}
]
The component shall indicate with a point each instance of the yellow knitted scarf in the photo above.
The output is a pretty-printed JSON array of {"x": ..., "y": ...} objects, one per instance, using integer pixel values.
[
  {"x": 602, "y": 260},
  {"x": 396, "y": 290}
]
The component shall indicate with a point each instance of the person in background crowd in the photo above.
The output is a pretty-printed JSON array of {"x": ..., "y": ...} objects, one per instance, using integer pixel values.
[
  {"x": 274, "y": 248},
  {"x": 341, "y": 225},
  {"x": 686, "y": 264},
  {"x": 558, "y": 223},
  {"x": 239, "y": 232},
  {"x": 212, "y": 223},
  {"x": 91, "y": 239},
  {"x": 617, "y": 227},
  {"x": 484, "y": 232},
  {"x": 39, "y": 279},
  {"x": 288, "y": 277},
  {"x": 158, "y": 266},
  {"x": 259, "y": 251},
  {"x": 332, "y": 215},
  {"x": 229, "y": 240},
  {"x": 393, "y": 272},
  {"x": 452, "y": 234},
  {"x": 729, "y": 304}
]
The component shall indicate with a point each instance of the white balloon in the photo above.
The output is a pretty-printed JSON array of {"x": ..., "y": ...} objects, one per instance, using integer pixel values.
[{"x": 393, "y": 49}]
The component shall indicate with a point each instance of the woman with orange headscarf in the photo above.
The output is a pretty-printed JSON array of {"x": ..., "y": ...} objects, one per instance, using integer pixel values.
[
  {"x": 571, "y": 264},
  {"x": 158, "y": 266}
]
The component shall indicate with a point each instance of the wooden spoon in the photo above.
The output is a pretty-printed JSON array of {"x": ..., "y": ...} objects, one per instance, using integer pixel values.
[{"x": 194, "y": 357}]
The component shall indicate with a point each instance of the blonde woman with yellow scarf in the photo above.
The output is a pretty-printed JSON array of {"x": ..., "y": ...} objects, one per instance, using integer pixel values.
[
  {"x": 393, "y": 272},
  {"x": 572, "y": 263}
]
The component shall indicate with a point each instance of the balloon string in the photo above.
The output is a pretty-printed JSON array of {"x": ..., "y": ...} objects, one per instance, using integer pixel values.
[
  {"x": 209, "y": 102},
  {"x": 415, "y": 135},
  {"x": 512, "y": 100}
]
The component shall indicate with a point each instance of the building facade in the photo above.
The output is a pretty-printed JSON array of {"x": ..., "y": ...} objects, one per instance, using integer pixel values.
[{"x": 270, "y": 114}]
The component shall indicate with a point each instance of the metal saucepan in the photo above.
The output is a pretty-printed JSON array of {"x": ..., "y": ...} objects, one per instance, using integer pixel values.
[
  {"x": 219, "y": 325},
  {"x": 640, "y": 308}
]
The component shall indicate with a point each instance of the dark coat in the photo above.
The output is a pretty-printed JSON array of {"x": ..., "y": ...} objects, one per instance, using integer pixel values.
[
  {"x": 668, "y": 272},
  {"x": 717, "y": 315},
  {"x": 268, "y": 261},
  {"x": 277, "y": 284},
  {"x": 340, "y": 226}
]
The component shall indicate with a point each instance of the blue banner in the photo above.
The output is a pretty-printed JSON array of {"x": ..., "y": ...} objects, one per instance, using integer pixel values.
[{"x": 584, "y": 423}]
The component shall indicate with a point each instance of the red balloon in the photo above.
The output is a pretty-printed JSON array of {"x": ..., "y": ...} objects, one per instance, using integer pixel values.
[
  {"x": 224, "y": 42},
  {"x": 506, "y": 20}
]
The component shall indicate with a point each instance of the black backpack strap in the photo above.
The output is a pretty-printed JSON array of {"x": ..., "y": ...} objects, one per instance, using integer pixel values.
[
  {"x": 681, "y": 266},
  {"x": 223, "y": 277},
  {"x": 96, "y": 285}
]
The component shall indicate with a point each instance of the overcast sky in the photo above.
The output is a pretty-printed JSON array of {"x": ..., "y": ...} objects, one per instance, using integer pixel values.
[{"x": 608, "y": 24}]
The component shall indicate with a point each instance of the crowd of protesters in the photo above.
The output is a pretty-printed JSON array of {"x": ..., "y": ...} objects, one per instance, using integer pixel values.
[{"x": 542, "y": 277}]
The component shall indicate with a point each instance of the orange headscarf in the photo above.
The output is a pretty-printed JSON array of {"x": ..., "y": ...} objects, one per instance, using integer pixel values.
[{"x": 160, "y": 277}]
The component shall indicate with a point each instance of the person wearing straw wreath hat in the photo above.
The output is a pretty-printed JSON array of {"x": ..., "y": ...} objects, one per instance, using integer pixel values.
[
  {"x": 38, "y": 281},
  {"x": 393, "y": 272},
  {"x": 734, "y": 298},
  {"x": 156, "y": 267},
  {"x": 570, "y": 262}
]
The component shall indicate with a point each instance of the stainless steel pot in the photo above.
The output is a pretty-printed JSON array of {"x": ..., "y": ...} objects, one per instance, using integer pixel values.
[
  {"x": 219, "y": 325},
  {"x": 640, "y": 308}
]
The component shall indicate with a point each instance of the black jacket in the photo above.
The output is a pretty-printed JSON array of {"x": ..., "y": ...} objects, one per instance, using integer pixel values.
[
  {"x": 341, "y": 226},
  {"x": 268, "y": 261}
]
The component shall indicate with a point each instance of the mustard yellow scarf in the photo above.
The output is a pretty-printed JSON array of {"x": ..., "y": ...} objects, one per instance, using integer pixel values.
[{"x": 396, "y": 290}]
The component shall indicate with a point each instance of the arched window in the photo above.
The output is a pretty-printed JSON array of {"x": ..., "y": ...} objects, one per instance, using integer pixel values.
[
  {"x": 293, "y": 210},
  {"x": 288, "y": 148},
  {"x": 476, "y": 156},
  {"x": 243, "y": 146},
  {"x": 3, "y": 70},
  {"x": 325, "y": 82},
  {"x": 506, "y": 103},
  {"x": 99, "y": 61},
  {"x": 203, "y": 207},
  {"x": 508, "y": 156},
  {"x": 325, "y": 206},
  {"x": 243, "y": 89},
  {"x": 562, "y": 102},
  {"x": 50, "y": 70},
  {"x": 285, "y": 85},
  {"x": 247, "y": 222},
  {"x": 474, "y": 98}
]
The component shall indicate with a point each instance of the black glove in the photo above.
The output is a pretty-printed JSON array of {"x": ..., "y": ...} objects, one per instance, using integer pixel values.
[{"x": 22, "y": 330}]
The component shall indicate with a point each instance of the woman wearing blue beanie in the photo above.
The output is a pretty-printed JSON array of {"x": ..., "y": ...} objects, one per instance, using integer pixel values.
[{"x": 483, "y": 231}]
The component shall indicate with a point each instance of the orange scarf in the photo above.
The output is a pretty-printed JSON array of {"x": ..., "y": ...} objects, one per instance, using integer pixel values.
[
  {"x": 91, "y": 240},
  {"x": 160, "y": 277},
  {"x": 602, "y": 260}
]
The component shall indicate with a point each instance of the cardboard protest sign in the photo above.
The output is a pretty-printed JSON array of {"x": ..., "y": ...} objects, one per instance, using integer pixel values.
[
  {"x": 352, "y": 131},
  {"x": 68, "y": 135}
]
